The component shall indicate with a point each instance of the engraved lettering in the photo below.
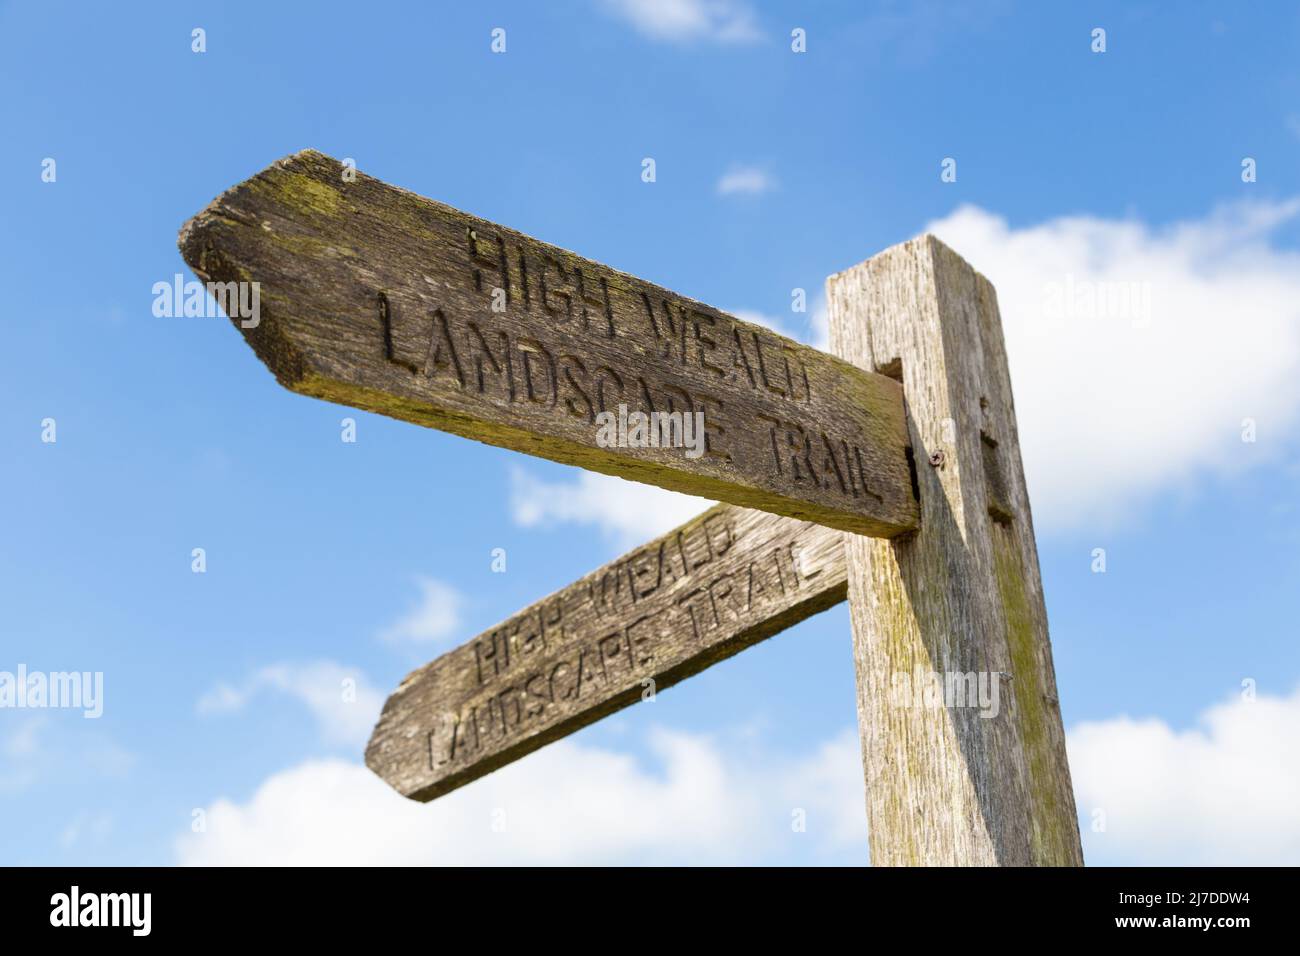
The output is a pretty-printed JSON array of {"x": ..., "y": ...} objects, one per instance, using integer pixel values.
[
  {"x": 834, "y": 469},
  {"x": 572, "y": 373},
  {"x": 718, "y": 530},
  {"x": 492, "y": 257},
  {"x": 613, "y": 650},
  {"x": 741, "y": 360},
  {"x": 387, "y": 316},
  {"x": 603, "y": 315},
  {"x": 494, "y": 656},
  {"x": 707, "y": 344},
  {"x": 538, "y": 693},
  {"x": 538, "y": 372},
  {"x": 479, "y": 350},
  {"x": 703, "y": 614},
  {"x": 670, "y": 334},
  {"x": 762, "y": 368},
  {"x": 641, "y": 635},
  {"x": 549, "y": 292},
  {"x": 442, "y": 350}
]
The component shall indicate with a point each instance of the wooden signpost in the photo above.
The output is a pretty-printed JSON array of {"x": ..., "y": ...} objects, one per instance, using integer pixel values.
[
  {"x": 378, "y": 298},
  {"x": 695, "y": 596},
  {"x": 906, "y": 444}
]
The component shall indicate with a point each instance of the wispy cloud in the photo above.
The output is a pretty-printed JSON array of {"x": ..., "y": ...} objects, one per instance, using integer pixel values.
[
  {"x": 745, "y": 181},
  {"x": 679, "y": 21},
  {"x": 343, "y": 703},
  {"x": 627, "y": 512},
  {"x": 767, "y": 321},
  {"x": 432, "y": 619}
]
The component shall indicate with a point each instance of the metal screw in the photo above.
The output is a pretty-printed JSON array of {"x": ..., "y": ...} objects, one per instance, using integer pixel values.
[{"x": 937, "y": 459}]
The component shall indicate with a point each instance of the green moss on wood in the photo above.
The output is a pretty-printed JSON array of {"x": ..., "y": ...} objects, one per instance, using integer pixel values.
[
  {"x": 299, "y": 192},
  {"x": 1053, "y": 834}
]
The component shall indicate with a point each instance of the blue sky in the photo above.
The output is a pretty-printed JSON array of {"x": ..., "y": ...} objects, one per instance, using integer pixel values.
[{"x": 1074, "y": 167}]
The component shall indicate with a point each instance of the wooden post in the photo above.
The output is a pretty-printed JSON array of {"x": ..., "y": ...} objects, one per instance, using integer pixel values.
[{"x": 952, "y": 784}]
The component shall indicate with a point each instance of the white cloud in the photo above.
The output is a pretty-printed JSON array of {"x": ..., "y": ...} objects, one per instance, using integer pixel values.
[
  {"x": 719, "y": 21},
  {"x": 1118, "y": 399},
  {"x": 626, "y": 512},
  {"x": 566, "y": 804},
  {"x": 745, "y": 180},
  {"x": 1223, "y": 793},
  {"x": 344, "y": 705},
  {"x": 435, "y": 618}
]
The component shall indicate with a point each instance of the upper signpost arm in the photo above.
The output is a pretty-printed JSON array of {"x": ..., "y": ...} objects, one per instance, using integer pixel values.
[{"x": 375, "y": 297}]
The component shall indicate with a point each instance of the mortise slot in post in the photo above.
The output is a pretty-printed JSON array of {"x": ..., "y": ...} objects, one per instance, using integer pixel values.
[
  {"x": 893, "y": 369},
  {"x": 994, "y": 481}
]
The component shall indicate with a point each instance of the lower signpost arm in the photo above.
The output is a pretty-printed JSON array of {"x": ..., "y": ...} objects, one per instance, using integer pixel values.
[{"x": 714, "y": 586}]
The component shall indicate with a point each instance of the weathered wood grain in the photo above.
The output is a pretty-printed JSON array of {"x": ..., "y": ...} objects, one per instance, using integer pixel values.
[
  {"x": 946, "y": 785},
  {"x": 714, "y": 586},
  {"x": 375, "y": 297}
]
